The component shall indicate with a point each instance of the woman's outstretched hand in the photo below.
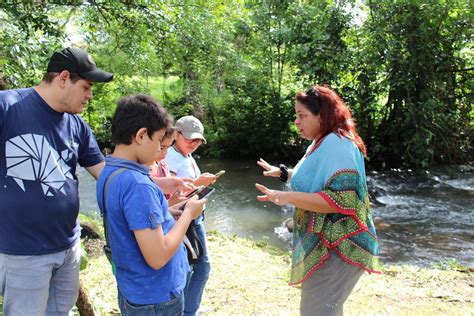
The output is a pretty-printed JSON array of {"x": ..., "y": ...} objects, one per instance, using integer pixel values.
[
  {"x": 274, "y": 196},
  {"x": 270, "y": 171}
]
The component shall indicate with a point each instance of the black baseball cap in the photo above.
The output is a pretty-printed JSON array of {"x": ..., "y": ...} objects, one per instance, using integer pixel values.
[{"x": 76, "y": 60}]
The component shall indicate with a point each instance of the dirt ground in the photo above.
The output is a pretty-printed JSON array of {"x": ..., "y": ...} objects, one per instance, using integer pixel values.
[{"x": 250, "y": 278}]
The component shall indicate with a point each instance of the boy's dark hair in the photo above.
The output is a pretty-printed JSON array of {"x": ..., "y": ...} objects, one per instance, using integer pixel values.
[{"x": 134, "y": 112}]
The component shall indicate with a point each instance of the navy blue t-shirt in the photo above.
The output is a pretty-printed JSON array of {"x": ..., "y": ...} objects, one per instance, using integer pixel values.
[{"x": 39, "y": 151}]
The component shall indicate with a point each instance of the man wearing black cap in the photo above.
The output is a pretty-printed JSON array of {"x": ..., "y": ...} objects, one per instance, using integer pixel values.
[{"x": 41, "y": 142}]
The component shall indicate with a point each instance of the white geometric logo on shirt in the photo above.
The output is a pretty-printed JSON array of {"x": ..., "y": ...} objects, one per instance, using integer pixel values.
[{"x": 30, "y": 157}]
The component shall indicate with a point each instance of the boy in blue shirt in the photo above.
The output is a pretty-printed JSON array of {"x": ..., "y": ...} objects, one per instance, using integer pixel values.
[{"x": 147, "y": 250}]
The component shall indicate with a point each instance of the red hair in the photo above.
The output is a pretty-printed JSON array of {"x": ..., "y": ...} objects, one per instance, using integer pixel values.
[{"x": 335, "y": 116}]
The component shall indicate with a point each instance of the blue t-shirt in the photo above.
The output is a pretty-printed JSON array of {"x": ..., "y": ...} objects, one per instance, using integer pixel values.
[
  {"x": 39, "y": 151},
  {"x": 135, "y": 202}
]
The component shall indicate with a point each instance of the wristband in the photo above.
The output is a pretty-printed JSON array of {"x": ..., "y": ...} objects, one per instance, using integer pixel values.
[{"x": 283, "y": 173}]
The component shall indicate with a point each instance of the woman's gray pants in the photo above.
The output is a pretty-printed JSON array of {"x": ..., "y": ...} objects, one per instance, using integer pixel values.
[{"x": 325, "y": 292}]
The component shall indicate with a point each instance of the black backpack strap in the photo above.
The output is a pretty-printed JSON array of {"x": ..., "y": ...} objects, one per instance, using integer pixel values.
[{"x": 107, "y": 249}]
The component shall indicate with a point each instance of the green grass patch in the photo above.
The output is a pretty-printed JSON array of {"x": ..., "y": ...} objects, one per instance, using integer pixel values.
[{"x": 250, "y": 278}]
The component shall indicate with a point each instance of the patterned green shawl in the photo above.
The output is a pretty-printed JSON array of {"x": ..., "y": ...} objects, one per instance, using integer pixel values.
[{"x": 334, "y": 170}]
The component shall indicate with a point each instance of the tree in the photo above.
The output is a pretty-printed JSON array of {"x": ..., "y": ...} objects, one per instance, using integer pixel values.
[
  {"x": 416, "y": 46},
  {"x": 405, "y": 68},
  {"x": 29, "y": 34}
]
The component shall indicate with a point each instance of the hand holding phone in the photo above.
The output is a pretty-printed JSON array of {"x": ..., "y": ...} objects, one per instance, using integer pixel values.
[
  {"x": 220, "y": 173},
  {"x": 205, "y": 192},
  {"x": 205, "y": 179},
  {"x": 202, "y": 192},
  {"x": 194, "y": 192},
  {"x": 195, "y": 206}
]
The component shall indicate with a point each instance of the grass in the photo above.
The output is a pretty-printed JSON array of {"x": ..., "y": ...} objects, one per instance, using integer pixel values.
[
  {"x": 165, "y": 89},
  {"x": 250, "y": 278},
  {"x": 161, "y": 88}
]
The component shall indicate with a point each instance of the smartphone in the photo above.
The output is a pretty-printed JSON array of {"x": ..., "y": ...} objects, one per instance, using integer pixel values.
[
  {"x": 193, "y": 193},
  {"x": 205, "y": 192},
  {"x": 220, "y": 173}
]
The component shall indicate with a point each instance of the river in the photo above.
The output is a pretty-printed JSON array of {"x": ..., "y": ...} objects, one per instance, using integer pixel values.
[{"x": 421, "y": 219}]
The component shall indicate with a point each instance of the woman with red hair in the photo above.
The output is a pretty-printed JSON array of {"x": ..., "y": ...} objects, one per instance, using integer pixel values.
[{"x": 334, "y": 238}]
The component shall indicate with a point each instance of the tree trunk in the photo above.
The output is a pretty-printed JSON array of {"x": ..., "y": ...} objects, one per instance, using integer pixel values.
[{"x": 83, "y": 304}]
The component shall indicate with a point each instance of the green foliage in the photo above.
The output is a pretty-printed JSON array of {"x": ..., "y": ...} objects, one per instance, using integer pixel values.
[
  {"x": 404, "y": 67},
  {"x": 412, "y": 56},
  {"x": 451, "y": 264},
  {"x": 317, "y": 35},
  {"x": 256, "y": 126},
  {"x": 28, "y": 35},
  {"x": 84, "y": 258}
]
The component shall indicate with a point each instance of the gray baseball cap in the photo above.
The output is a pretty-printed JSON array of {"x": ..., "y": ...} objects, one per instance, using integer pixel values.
[{"x": 191, "y": 128}]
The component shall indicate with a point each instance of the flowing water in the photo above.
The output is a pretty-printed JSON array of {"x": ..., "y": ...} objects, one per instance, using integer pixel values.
[{"x": 421, "y": 219}]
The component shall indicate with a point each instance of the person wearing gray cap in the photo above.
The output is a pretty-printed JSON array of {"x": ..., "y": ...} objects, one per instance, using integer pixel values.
[
  {"x": 182, "y": 164},
  {"x": 42, "y": 139}
]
